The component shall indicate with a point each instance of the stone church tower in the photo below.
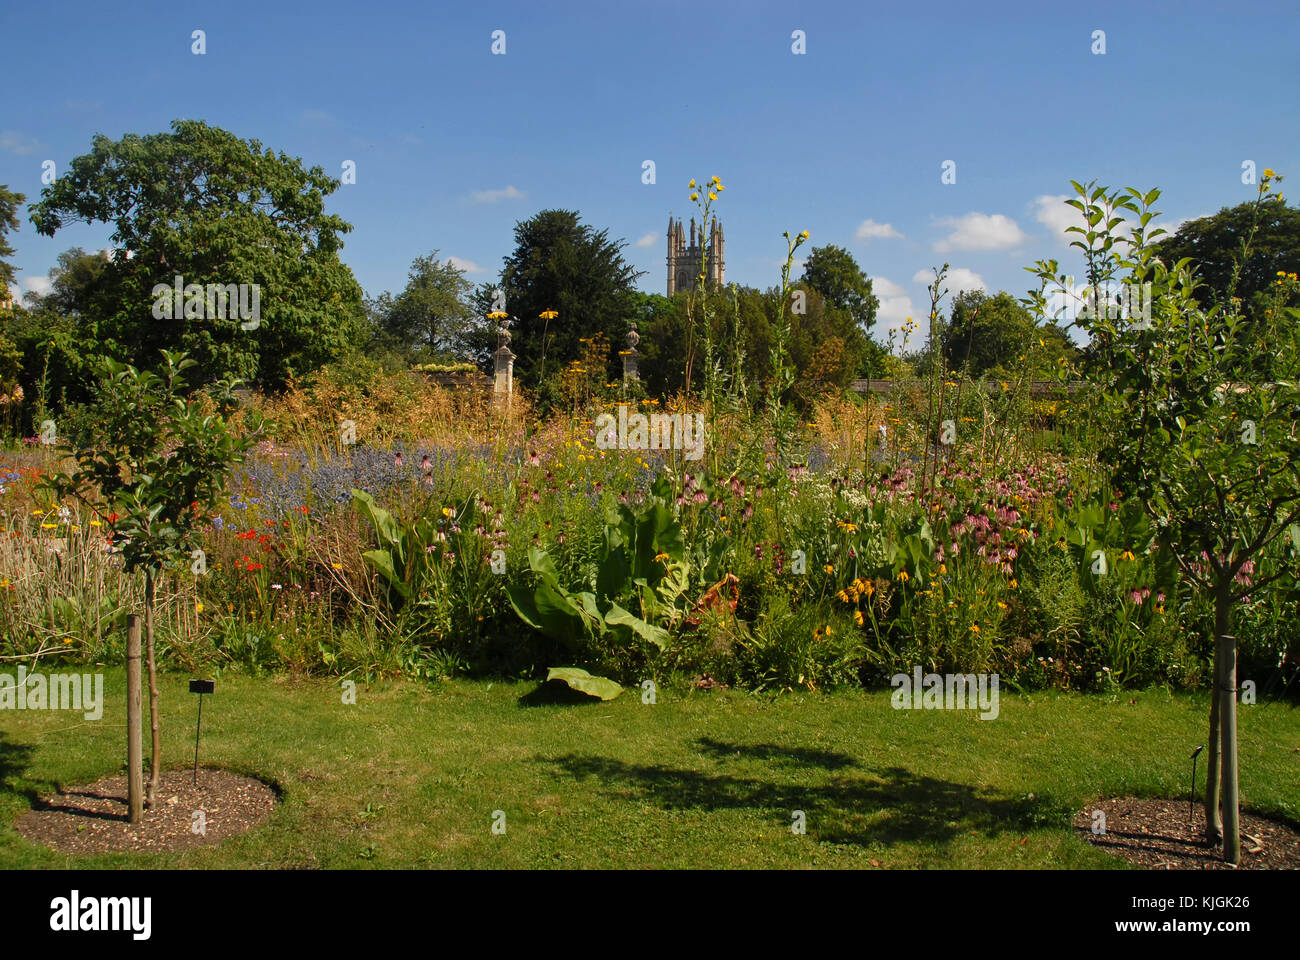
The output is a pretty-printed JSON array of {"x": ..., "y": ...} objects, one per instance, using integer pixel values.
[{"x": 684, "y": 259}]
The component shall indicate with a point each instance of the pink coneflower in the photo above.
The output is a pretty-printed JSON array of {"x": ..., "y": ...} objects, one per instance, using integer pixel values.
[
  {"x": 397, "y": 460},
  {"x": 533, "y": 459},
  {"x": 426, "y": 464}
]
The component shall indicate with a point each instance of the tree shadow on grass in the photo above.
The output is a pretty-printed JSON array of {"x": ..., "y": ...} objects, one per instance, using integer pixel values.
[
  {"x": 791, "y": 756},
  {"x": 865, "y": 808},
  {"x": 14, "y": 758}
]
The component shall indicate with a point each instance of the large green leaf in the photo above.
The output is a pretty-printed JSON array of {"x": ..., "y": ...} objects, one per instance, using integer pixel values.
[
  {"x": 382, "y": 561},
  {"x": 386, "y": 527},
  {"x": 617, "y": 616},
  {"x": 582, "y": 681}
]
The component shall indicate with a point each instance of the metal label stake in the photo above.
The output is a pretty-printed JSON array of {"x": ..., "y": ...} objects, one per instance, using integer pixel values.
[
  {"x": 200, "y": 687},
  {"x": 1191, "y": 797}
]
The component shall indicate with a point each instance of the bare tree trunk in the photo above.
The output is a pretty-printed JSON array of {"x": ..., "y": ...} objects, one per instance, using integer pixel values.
[
  {"x": 1227, "y": 695},
  {"x": 134, "y": 724},
  {"x": 1213, "y": 820},
  {"x": 156, "y": 753}
]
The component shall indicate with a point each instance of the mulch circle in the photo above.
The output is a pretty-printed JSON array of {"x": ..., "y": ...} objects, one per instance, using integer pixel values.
[
  {"x": 1159, "y": 834},
  {"x": 93, "y": 818}
]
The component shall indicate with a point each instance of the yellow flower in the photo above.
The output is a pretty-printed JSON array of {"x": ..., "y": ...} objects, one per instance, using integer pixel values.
[
  {"x": 857, "y": 617},
  {"x": 828, "y": 568},
  {"x": 446, "y": 511},
  {"x": 903, "y": 577},
  {"x": 660, "y": 556},
  {"x": 198, "y": 608},
  {"x": 695, "y": 196},
  {"x": 712, "y": 195},
  {"x": 943, "y": 568},
  {"x": 692, "y": 184},
  {"x": 1269, "y": 173},
  {"x": 974, "y": 628},
  {"x": 716, "y": 180},
  {"x": 843, "y": 597},
  {"x": 337, "y": 566},
  {"x": 804, "y": 234}
]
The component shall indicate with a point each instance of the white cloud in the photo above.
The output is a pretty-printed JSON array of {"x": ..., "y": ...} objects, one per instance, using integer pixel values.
[
  {"x": 496, "y": 196},
  {"x": 649, "y": 240},
  {"x": 468, "y": 266},
  {"x": 17, "y": 142},
  {"x": 870, "y": 230},
  {"x": 955, "y": 281},
  {"x": 1050, "y": 210},
  {"x": 980, "y": 231},
  {"x": 895, "y": 305},
  {"x": 37, "y": 285}
]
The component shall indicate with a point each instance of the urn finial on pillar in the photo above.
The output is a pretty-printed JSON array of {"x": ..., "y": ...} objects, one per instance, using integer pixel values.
[
  {"x": 503, "y": 384},
  {"x": 630, "y": 354}
]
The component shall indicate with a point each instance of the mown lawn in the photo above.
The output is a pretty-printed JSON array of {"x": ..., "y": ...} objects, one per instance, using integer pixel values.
[{"x": 410, "y": 775}]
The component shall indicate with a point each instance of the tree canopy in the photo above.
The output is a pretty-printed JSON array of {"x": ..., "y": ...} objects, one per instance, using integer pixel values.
[
  {"x": 832, "y": 272},
  {"x": 1214, "y": 244},
  {"x": 201, "y": 204}
]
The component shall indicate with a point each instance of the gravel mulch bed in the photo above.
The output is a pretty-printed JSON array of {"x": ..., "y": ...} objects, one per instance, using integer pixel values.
[
  {"x": 93, "y": 818},
  {"x": 1159, "y": 835}
]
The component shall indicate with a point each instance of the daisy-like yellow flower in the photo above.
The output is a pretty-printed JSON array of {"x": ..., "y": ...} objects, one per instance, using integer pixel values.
[
  {"x": 198, "y": 608},
  {"x": 974, "y": 628},
  {"x": 829, "y": 568},
  {"x": 661, "y": 556},
  {"x": 857, "y": 617},
  {"x": 903, "y": 577},
  {"x": 842, "y": 596},
  {"x": 446, "y": 511},
  {"x": 712, "y": 195},
  {"x": 943, "y": 568},
  {"x": 804, "y": 234},
  {"x": 1270, "y": 173},
  {"x": 694, "y": 197},
  {"x": 692, "y": 184},
  {"x": 1127, "y": 555}
]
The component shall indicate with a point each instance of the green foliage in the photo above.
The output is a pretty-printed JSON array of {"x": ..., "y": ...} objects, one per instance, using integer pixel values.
[
  {"x": 1213, "y": 244},
  {"x": 832, "y": 272},
  {"x": 432, "y": 317},
  {"x": 202, "y": 204},
  {"x": 9, "y": 204},
  {"x": 561, "y": 264},
  {"x": 153, "y": 460}
]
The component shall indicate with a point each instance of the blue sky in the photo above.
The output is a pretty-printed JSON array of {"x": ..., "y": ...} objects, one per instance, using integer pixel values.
[{"x": 454, "y": 144}]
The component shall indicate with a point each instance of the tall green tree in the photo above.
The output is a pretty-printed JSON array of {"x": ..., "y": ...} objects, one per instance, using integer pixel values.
[
  {"x": 9, "y": 204},
  {"x": 1213, "y": 244},
  {"x": 985, "y": 332},
  {"x": 561, "y": 264},
  {"x": 201, "y": 204},
  {"x": 76, "y": 283},
  {"x": 832, "y": 272},
  {"x": 431, "y": 318}
]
